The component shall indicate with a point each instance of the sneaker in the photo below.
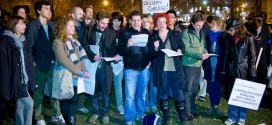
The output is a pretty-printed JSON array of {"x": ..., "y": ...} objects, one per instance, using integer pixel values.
[
  {"x": 241, "y": 122},
  {"x": 219, "y": 112},
  {"x": 229, "y": 122},
  {"x": 83, "y": 110},
  {"x": 93, "y": 118},
  {"x": 210, "y": 111},
  {"x": 130, "y": 123},
  {"x": 190, "y": 117},
  {"x": 59, "y": 119},
  {"x": 105, "y": 120},
  {"x": 154, "y": 109},
  {"x": 121, "y": 109},
  {"x": 41, "y": 122},
  {"x": 201, "y": 98}
]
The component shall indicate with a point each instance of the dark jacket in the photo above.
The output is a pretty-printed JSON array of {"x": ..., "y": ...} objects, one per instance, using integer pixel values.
[
  {"x": 158, "y": 57},
  {"x": 136, "y": 58},
  {"x": 241, "y": 58},
  {"x": 11, "y": 86},
  {"x": 43, "y": 54},
  {"x": 219, "y": 72},
  {"x": 109, "y": 50}
]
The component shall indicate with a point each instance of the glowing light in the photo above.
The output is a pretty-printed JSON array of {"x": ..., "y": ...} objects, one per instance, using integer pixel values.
[{"x": 106, "y": 3}]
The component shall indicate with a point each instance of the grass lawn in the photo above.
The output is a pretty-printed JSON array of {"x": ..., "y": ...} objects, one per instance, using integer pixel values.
[{"x": 253, "y": 117}]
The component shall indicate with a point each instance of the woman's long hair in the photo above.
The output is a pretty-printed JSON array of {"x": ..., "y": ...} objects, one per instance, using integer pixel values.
[
  {"x": 242, "y": 32},
  {"x": 60, "y": 31}
]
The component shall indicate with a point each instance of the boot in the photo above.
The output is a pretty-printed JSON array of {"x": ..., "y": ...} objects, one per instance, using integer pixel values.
[
  {"x": 180, "y": 111},
  {"x": 165, "y": 112},
  {"x": 72, "y": 120}
]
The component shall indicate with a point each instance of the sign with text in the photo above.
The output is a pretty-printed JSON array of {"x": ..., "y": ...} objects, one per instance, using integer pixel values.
[
  {"x": 246, "y": 94},
  {"x": 155, "y": 6}
]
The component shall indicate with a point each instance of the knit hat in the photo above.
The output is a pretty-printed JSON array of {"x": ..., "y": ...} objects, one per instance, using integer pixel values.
[{"x": 232, "y": 23}]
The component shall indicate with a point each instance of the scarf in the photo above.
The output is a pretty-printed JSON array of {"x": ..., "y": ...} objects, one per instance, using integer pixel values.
[
  {"x": 213, "y": 39},
  {"x": 70, "y": 44},
  {"x": 19, "y": 42}
]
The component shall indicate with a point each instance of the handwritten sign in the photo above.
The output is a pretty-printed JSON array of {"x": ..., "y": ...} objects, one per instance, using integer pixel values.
[
  {"x": 246, "y": 94},
  {"x": 155, "y": 6}
]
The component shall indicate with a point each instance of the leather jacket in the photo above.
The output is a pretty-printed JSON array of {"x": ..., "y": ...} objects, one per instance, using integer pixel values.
[{"x": 240, "y": 58}]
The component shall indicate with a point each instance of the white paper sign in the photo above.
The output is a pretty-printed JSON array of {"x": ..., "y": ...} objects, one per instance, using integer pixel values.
[
  {"x": 117, "y": 67},
  {"x": 155, "y": 6},
  {"x": 95, "y": 49},
  {"x": 171, "y": 53},
  {"x": 89, "y": 83},
  {"x": 246, "y": 94},
  {"x": 80, "y": 85},
  {"x": 139, "y": 40}
]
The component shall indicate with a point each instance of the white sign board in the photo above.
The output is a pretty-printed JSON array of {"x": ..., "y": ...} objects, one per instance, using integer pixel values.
[
  {"x": 155, "y": 6},
  {"x": 246, "y": 94}
]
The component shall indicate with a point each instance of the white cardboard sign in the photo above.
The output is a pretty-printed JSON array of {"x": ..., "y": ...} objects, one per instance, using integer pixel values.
[
  {"x": 155, "y": 6},
  {"x": 246, "y": 94}
]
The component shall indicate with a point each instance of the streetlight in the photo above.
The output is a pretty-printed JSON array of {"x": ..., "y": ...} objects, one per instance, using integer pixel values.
[{"x": 105, "y": 3}]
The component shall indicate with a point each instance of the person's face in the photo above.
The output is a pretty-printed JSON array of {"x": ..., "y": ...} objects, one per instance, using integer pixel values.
[
  {"x": 198, "y": 25},
  {"x": 21, "y": 12},
  {"x": 146, "y": 23},
  {"x": 78, "y": 15},
  {"x": 20, "y": 27},
  {"x": 116, "y": 23},
  {"x": 161, "y": 23},
  {"x": 45, "y": 11},
  {"x": 89, "y": 13},
  {"x": 102, "y": 24},
  {"x": 70, "y": 27},
  {"x": 172, "y": 18},
  {"x": 136, "y": 22},
  {"x": 214, "y": 26}
]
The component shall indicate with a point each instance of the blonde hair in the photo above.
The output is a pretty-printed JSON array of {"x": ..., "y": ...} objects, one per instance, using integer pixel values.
[
  {"x": 150, "y": 20},
  {"x": 60, "y": 31}
]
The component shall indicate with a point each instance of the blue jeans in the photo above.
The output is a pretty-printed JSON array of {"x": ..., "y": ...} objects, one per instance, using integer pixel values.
[
  {"x": 24, "y": 111},
  {"x": 191, "y": 85},
  {"x": 101, "y": 85},
  {"x": 170, "y": 80},
  {"x": 118, "y": 88},
  {"x": 215, "y": 92},
  {"x": 151, "y": 98},
  {"x": 135, "y": 88},
  {"x": 236, "y": 113}
]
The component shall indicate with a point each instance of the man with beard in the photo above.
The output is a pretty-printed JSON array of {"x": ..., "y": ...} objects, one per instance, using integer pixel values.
[
  {"x": 78, "y": 16},
  {"x": 104, "y": 38}
]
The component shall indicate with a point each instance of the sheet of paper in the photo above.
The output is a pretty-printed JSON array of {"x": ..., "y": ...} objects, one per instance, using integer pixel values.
[
  {"x": 170, "y": 53},
  {"x": 212, "y": 54},
  {"x": 117, "y": 67},
  {"x": 139, "y": 40},
  {"x": 89, "y": 83},
  {"x": 80, "y": 85},
  {"x": 246, "y": 94},
  {"x": 109, "y": 58},
  {"x": 95, "y": 49}
]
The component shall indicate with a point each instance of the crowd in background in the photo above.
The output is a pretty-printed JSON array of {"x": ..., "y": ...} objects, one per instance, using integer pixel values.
[{"x": 214, "y": 53}]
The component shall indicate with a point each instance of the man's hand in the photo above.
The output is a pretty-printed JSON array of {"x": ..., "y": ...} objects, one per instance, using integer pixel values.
[
  {"x": 130, "y": 42},
  {"x": 97, "y": 58},
  {"x": 204, "y": 56},
  {"x": 117, "y": 58},
  {"x": 86, "y": 74},
  {"x": 156, "y": 44},
  {"x": 179, "y": 51}
]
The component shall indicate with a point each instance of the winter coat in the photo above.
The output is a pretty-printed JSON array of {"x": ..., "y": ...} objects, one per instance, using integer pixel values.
[
  {"x": 159, "y": 57},
  {"x": 11, "y": 86}
]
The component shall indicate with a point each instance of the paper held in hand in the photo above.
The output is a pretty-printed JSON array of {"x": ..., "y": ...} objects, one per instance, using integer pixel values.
[
  {"x": 212, "y": 54},
  {"x": 139, "y": 40},
  {"x": 246, "y": 94},
  {"x": 171, "y": 53}
]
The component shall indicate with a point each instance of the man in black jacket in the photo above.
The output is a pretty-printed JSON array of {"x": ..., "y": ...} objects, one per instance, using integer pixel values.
[
  {"x": 40, "y": 36},
  {"x": 136, "y": 65}
]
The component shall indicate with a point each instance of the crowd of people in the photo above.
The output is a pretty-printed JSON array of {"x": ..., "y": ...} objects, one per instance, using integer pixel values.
[{"x": 32, "y": 48}]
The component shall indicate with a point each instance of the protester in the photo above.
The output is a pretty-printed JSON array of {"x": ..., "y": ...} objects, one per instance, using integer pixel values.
[
  {"x": 40, "y": 35},
  {"x": 136, "y": 73},
  {"x": 70, "y": 54},
  {"x": 17, "y": 70},
  {"x": 167, "y": 71},
  {"x": 241, "y": 54}
]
